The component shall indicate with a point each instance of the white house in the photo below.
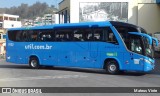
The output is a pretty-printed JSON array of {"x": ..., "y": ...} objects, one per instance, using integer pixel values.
[{"x": 9, "y": 21}]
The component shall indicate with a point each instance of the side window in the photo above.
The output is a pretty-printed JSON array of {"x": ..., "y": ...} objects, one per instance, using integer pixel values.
[
  {"x": 88, "y": 35},
  {"x": 18, "y": 36},
  {"x": 74, "y": 35},
  {"x": 98, "y": 34},
  {"x": 83, "y": 35},
  {"x": 78, "y": 35},
  {"x": 14, "y": 35},
  {"x": 110, "y": 36},
  {"x": 64, "y": 35},
  {"x": 25, "y": 36},
  {"x": 123, "y": 31},
  {"x": 33, "y": 35},
  {"x": 45, "y": 35}
]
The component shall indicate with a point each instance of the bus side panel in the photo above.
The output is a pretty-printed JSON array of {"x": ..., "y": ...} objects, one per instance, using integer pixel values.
[
  {"x": 15, "y": 53},
  {"x": 111, "y": 51},
  {"x": 73, "y": 54},
  {"x": 83, "y": 55},
  {"x": 21, "y": 55},
  {"x": 44, "y": 51},
  {"x": 63, "y": 54},
  {"x": 10, "y": 52}
]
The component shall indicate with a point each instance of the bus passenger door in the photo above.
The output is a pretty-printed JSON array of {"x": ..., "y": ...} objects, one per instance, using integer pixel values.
[{"x": 136, "y": 57}]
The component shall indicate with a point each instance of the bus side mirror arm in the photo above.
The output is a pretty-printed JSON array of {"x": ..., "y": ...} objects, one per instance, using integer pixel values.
[
  {"x": 145, "y": 35},
  {"x": 156, "y": 40}
]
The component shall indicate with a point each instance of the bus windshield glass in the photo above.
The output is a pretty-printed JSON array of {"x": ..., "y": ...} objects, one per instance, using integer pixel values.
[
  {"x": 147, "y": 48},
  {"x": 136, "y": 45}
]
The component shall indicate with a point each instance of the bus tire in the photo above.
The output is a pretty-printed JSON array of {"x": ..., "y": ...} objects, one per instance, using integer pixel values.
[
  {"x": 112, "y": 67},
  {"x": 34, "y": 63}
]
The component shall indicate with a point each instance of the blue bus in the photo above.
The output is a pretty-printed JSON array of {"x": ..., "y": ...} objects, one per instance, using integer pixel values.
[{"x": 83, "y": 45}]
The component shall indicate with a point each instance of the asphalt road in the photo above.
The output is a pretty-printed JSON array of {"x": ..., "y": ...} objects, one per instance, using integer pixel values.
[{"x": 12, "y": 75}]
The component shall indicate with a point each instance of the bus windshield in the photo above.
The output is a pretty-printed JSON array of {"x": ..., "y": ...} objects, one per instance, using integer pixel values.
[
  {"x": 137, "y": 40},
  {"x": 147, "y": 48},
  {"x": 136, "y": 44}
]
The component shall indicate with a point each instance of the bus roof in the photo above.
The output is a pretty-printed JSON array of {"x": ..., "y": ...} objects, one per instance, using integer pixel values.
[
  {"x": 66, "y": 25},
  {"x": 123, "y": 24},
  {"x": 118, "y": 23}
]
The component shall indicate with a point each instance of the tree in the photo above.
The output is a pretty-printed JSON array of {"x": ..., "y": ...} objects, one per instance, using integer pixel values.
[{"x": 29, "y": 12}]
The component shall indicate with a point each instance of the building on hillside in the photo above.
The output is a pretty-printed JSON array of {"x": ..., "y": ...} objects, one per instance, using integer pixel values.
[
  {"x": 47, "y": 19},
  {"x": 7, "y": 21},
  {"x": 27, "y": 22},
  {"x": 50, "y": 19},
  {"x": 144, "y": 13}
]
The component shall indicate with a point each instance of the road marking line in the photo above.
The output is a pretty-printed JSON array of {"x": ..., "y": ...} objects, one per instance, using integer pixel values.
[{"x": 43, "y": 77}]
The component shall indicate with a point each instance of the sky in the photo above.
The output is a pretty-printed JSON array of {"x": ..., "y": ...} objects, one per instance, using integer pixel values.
[{"x": 11, "y": 3}]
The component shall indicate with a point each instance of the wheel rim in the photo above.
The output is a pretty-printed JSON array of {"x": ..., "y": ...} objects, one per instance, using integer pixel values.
[
  {"x": 33, "y": 63},
  {"x": 112, "y": 68}
]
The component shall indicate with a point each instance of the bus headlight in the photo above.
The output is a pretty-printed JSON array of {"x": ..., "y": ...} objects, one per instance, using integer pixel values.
[{"x": 147, "y": 61}]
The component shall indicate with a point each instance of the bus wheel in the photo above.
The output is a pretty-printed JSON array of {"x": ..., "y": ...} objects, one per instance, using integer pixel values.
[
  {"x": 112, "y": 67},
  {"x": 34, "y": 63}
]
